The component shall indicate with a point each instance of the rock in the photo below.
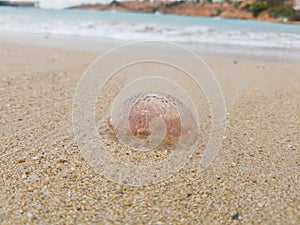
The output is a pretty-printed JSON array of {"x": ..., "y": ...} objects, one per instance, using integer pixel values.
[
  {"x": 246, "y": 3},
  {"x": 237, "y": 14},
  {"x": 222, "y": 9},
  {"x": 236, "y": 216}
]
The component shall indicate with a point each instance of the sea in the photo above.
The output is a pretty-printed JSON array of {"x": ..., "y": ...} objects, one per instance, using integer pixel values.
[{"x": 128, "y": 26}]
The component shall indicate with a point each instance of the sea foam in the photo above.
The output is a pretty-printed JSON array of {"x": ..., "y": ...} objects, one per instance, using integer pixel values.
[{"x": 141, "y": 26}]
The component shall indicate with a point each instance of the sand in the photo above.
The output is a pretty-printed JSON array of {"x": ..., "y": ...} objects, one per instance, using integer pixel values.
[{"x": 44, "y": 178}]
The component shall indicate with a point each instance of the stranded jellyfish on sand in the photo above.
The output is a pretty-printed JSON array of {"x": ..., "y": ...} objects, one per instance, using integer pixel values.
[{"x": 136, "y": 115}]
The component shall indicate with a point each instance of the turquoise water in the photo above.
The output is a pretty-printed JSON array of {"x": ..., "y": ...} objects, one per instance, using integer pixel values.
[{"x": 143, "y": 26}]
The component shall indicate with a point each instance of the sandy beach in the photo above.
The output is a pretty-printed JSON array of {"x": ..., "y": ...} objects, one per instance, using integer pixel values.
[{"x": 44, "y": 178}]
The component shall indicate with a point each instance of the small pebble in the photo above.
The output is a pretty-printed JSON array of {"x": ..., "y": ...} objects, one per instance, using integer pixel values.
[
  {"x": 237, "y": 216},
  {"x": 21, "y": 160},
  {"x": 34, "y": 177}
]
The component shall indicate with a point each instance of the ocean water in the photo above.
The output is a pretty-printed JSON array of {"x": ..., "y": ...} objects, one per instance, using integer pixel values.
[{"x": 143, "y": 26}]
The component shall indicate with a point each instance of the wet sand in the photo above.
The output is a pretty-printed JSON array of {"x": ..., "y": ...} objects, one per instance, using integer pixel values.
[{"x": 44, "y": 178}]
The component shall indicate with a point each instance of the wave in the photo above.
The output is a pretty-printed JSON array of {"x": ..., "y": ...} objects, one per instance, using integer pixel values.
[{"x": 147, "y": 27}]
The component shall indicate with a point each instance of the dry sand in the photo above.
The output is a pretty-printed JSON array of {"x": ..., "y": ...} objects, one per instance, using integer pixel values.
[{"x": 45, "y": 180}]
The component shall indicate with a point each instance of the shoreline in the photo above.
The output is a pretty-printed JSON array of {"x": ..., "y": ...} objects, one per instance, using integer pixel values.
[
  {"x": 221, "y": 36},
  {"x": 102, "y": 45}
]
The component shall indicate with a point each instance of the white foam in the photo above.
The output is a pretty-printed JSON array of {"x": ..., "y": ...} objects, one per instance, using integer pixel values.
[{"x": 64, "y": 23}]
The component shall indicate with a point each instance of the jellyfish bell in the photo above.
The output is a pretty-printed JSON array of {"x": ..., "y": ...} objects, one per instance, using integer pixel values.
[
  {"x": 153, "y": 117},
  {"x": 152, "y": 106}
]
